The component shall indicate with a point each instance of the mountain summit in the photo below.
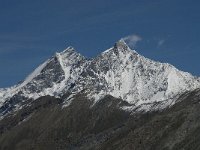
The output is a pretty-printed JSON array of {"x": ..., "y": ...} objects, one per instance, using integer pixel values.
[{"x": 119, "y": 71}]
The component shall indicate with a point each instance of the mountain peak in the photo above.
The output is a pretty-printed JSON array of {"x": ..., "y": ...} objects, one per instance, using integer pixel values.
[
  {"x": 69, "y": 54},
  {"x": 121, "y": 44},
  {"x": 121, "y": 48},
  {"x": 69, "y": 49}
]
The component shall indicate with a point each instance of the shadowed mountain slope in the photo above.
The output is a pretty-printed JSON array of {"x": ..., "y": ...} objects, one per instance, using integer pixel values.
[{"x": 46, "y": 125}]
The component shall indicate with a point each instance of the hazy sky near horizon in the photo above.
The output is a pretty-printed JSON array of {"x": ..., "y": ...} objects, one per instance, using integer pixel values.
[{"x": 31, "y": 31}]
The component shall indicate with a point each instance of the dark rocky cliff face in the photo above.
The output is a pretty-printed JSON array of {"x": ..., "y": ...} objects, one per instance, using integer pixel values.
[{"x": 46, "y": 124}]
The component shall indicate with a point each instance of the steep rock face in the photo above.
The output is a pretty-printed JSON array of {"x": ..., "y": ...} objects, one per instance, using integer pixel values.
[
  {"x": 123, "y": 73},
  {"x": 53, "y": 77},
  {"x": 119, "y": 71}
]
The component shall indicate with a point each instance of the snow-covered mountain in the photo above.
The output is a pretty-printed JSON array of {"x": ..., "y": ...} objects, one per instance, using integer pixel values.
[{"x": 118, "y": 71}]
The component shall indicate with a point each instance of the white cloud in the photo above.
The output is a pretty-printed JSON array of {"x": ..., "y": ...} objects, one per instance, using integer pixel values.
[
  {"x": 160, "y": 43},
  {"x": 132, "y": 40}
]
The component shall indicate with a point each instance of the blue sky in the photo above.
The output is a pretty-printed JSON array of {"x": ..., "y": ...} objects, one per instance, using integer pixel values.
[{"x": 32, "y": 31}]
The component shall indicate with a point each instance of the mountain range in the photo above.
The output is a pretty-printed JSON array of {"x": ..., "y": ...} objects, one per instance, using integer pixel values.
[{"x": 117, "y": 100}]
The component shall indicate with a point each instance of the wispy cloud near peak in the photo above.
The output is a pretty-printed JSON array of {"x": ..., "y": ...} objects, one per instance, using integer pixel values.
[{"x": 132, "y": 40}]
